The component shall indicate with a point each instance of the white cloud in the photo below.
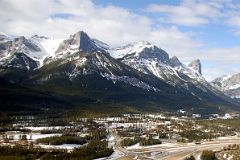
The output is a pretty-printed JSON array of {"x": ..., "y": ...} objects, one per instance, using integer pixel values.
[
  {"x": 111, "y": 24},
  {"x": 189, "y": 12},
  {"x": 175, "y": 42},
  {"x": 235, "y": 21},
  {"x": 222, "y": 55},
  {"x": 220, "y": 61},
  {"x": 214, "y": 71}
]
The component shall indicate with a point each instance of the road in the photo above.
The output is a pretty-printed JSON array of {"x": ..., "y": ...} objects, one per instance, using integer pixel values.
[{"x": 173, "y": 151}]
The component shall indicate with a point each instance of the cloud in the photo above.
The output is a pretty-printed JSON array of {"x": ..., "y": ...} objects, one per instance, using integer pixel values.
[
  {"x": 111, "y": 24},
  {"x": 220, "y": 61},
  {"x": 61, "y": 18},
  {"x": 189, "y": 12},
  {"x": 222, "y": 55},
  {"x": 235, "y": 20},
  {"x": 216, "y": 70}
]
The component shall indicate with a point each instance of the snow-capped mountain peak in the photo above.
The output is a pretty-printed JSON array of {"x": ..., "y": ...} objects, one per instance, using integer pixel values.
[
  {"x": 79, "y": 41},
  {"x": 150, "y": 59},
  {"x": 140, "y": 51},
  {"x": 4, "y": 37},
  {"x": 196, "y": 65},
  {"x": 132, "y": 48},
  {"x": 37, "y": 48},
  {"x": 48, "y": 47},
  {"x": 76, "y": 43},
  {"x": 175, "y": 61},
  {"x": 229, "y": 84}
]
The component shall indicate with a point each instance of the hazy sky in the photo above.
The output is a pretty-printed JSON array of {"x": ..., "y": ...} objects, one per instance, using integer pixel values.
[{"x": 206, "y": 29}]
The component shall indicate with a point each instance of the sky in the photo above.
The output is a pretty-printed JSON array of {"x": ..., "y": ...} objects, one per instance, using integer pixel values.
[{"x": 208, "y": 30}]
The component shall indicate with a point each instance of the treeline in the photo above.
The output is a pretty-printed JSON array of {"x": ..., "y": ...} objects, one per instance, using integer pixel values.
[
  {"x": 142, "y": 141},
  {"x": 221, "y": 127},
  {"x": 208, "y": 155},
  {"x": 95, "y": 149},
  {"x": 196, "y": 135},
  {"x": 72, "y": 138},
  {"x": 15, "y": 129},
  {"x": 149, "y": 142},
  {"x": 130, "y": 141},
  {"x": 96, "y": 134},
  {"x": 61, "y": 130},
  {"x": 20, "y": 152},
  {"x": 64, "y": 139}
]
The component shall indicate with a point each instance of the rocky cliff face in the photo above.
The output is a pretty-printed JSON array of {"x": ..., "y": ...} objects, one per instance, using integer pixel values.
[{"x": 196, "y": 65}]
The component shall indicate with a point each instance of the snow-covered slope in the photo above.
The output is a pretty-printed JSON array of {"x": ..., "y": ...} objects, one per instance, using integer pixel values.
[
  {"x": 120, "y": 52},
  {"x": 86, "y": 56},
  {"x": 34, "y": 49},
  {"x": 150, "y": 59},
  {"x": 78, "y": 42},
  {"x": 141, "y": 56},
  {"x": 196, "y": 66},
  {"x": 48, "y": 47},
  {"x": 18, "y": 53},
  {"x": 229, "y": 84}
]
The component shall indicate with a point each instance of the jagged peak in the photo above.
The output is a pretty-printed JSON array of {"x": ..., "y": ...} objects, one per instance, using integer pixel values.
[
  {"x": 196, "y": 65},
  {"x": 175, "y": 61},
  {"x": 80, "y": 35},
  {"x": 80, "y": 41},
  {"x": 196, "y": 60},
  {"x": 140, "y": 50},
  {"x": 38, "y": 37}
]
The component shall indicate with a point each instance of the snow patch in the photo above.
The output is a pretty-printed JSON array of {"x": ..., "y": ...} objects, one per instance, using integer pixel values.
[
  {"x": 130, "y": 80},
  {"x": 136, "y": 48}
]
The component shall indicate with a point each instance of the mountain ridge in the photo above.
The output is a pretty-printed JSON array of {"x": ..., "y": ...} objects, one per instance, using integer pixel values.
[
  {"x": 229, "y": 84},
  {"x": 135, "y": 72}
]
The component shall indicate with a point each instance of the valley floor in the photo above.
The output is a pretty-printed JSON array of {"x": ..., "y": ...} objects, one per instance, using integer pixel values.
[
  {"x": 139, "y": 137},
  {"x": 174, "y": 151}
]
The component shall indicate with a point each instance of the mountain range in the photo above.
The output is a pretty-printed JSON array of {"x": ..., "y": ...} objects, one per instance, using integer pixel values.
[
  {"x": 229, "y": 84},
  {"x": 82, "y": 72}
]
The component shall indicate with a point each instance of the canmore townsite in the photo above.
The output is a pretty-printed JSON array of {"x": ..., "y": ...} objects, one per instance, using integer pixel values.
[{"x": 119, "y": 80}]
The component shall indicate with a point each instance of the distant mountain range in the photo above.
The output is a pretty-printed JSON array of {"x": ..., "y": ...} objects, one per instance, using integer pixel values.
[
  {"x": 83, "y": 72},
  {"x": 230, "y": 85}
]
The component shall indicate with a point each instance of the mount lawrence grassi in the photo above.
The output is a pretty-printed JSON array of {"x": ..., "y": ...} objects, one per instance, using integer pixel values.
[{"x": 82, "y": 72}]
